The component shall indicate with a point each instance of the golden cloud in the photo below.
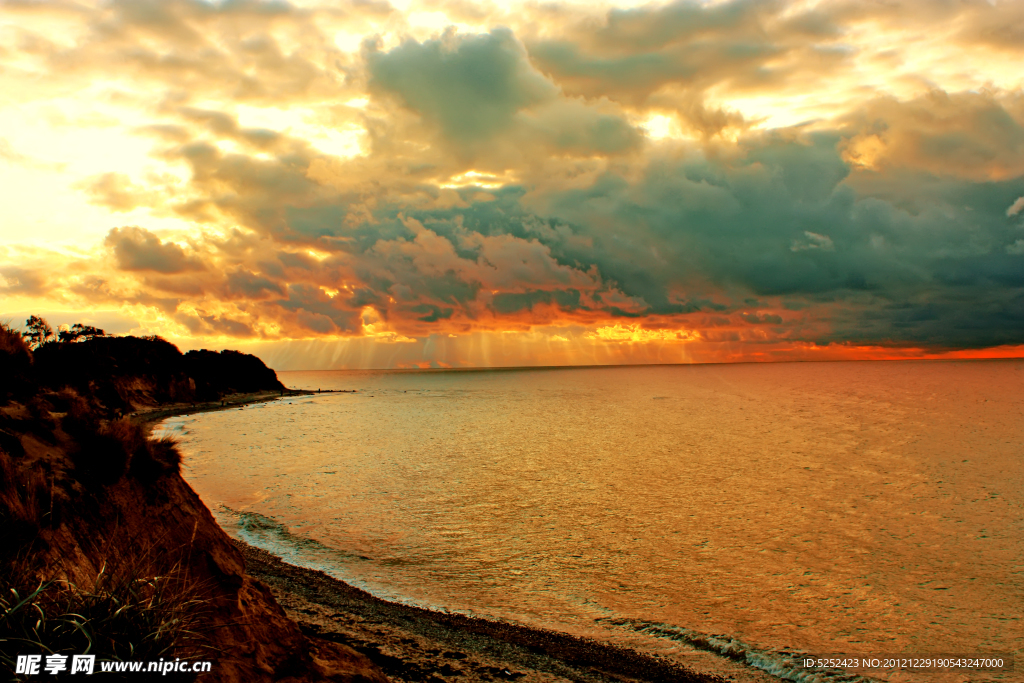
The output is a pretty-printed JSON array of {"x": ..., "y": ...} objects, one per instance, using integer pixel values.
[{"x": 724, "y": 176}]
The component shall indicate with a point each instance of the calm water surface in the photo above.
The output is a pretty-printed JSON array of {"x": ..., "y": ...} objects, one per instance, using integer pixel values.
[{"x": 823, "y": 507}]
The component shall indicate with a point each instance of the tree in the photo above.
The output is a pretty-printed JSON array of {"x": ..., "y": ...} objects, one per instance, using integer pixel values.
[
  {"x": 80, "y": 332},
  {"x": 37, "y": 332}
]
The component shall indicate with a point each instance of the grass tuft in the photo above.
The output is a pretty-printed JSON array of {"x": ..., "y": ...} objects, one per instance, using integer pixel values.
[{"x": 124, "y": 615}]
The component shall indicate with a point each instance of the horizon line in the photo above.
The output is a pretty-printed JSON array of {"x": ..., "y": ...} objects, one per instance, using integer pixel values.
[{"x": 592, "y": 366}]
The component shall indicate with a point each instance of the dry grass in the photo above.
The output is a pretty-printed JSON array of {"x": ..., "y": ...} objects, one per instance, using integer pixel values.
[
  {"x": 60, "y": 454},
  {"x": 12, "y": 343},
  {"x": 128, "y": 613}
]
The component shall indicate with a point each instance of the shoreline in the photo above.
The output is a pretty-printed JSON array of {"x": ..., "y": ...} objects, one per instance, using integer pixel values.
[
  {"x": 151, "y": 416},
  {"x": 416, "y": 644}
]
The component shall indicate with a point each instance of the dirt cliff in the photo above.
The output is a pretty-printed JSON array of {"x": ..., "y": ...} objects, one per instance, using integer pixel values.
[{"x": 100, "y": 534}]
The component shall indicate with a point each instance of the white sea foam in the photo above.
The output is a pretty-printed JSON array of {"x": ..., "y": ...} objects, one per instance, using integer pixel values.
[{"x": 787, "y": 665}]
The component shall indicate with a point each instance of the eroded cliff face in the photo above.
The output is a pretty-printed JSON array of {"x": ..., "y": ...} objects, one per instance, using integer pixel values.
[
  {"x": 86, "y": 495},
  {"x": 251, "y": 638}
]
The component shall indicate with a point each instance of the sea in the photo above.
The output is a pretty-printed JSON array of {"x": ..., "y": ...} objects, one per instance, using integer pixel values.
[{"x": 766, "y": 512}]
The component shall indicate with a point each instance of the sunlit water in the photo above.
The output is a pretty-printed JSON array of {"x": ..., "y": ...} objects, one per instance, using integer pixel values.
[{"x": 821, "y": 507}]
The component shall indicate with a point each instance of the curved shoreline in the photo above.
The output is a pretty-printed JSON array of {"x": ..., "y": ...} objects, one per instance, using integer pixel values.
[
  {"x": 152, "y": 416},
  {"x": 416, "y": 644}
]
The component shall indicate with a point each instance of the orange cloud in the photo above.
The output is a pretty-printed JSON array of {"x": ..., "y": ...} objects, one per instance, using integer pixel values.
[{"x": 543, "y": 184}]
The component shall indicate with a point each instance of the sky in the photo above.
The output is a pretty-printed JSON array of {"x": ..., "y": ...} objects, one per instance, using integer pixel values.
[{"x": 451, "y": 183}]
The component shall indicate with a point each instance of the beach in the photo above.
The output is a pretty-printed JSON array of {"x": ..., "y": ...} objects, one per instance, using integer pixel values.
[{"x": 413, "y": 644}]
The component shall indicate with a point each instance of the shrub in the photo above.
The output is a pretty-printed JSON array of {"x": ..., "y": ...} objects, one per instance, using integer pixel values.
[
  {"x": 118, "y": 447},
  {"x": 159, "y": 457},
  {"x": 100, "y": 458},
  {"x": 13, "y": 344},
  {"x": 104, "y": 454},
  {"x": 79, "y": 417},
  {"x": 11, "y": 443}
]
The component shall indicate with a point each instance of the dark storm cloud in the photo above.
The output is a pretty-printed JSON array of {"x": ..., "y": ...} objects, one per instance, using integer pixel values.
[
  {"x": 692, "y": 233},
  {"x": 782, "y": 222},
  {"x": 433, "y": 313},
  {"x": 471, "y": 87},
  {"x": 475, "y": 89},
  {"x": 201, "y": 324},
  {"x": 249, "y": 285},
  {"x": 670, "y": 55}
]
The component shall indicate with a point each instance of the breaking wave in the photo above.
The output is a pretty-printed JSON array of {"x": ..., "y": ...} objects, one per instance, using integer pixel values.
[{"x": 784, "y": 664}]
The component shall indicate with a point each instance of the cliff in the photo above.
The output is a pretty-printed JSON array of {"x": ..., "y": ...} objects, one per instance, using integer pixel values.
[
  {"x": 101, "y": 536},
  {"x": 131, "y": 373}
]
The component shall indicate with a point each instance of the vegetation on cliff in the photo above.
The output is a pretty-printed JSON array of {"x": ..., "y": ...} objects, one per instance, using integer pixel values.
[
  {"x": 104, "y": 549},
  {"x": 60, "y": 451},
  {"x": 125, "y": 373}
]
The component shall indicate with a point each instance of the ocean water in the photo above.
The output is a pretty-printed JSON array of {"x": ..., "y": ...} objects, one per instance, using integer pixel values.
[{"x": 873, "y": 507}]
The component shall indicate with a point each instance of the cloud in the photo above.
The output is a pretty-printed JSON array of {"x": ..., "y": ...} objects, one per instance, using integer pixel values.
[
  {"x": 201, "y": 324},
  {"x": 813, "y": 241},
  {"x": 15, "y": 280},
  {"x": 677, "y": 56},
  {"x": 1015, "y": 208},
  {"x": 314, "y": 310},
  {"x": 475, "y": 89},
  {"x": 762, "y": 319},
  {"x": 677, "y": 235},
  {"x": 117, "y": 192},
  {"x": 12, "y": 156},
  {"x": 138, "y": 249},
  {"x": 8, "y": 154},
  {"x": 471, "y": 86},
  {"x": 248, "y": 285},
  {"x": 821, "y": 177},
  {"x": 967, "y": 134}
]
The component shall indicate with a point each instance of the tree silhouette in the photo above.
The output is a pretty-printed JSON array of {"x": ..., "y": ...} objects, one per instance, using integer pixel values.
[
  {"x": 37, "y": 332},
  {"x": 80, "y": 332}
]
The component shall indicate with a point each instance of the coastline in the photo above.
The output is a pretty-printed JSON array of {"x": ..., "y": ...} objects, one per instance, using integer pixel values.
[
  {"x": 416, "y": 644},
  {"x": 149, "y": 417}
]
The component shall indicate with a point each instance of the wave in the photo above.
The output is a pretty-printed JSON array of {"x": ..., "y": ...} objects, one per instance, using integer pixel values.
[
  {"x": 263, "y": 532},
  {"x": 268, "y": 534},
  {"x": 784, "y": 664}
]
